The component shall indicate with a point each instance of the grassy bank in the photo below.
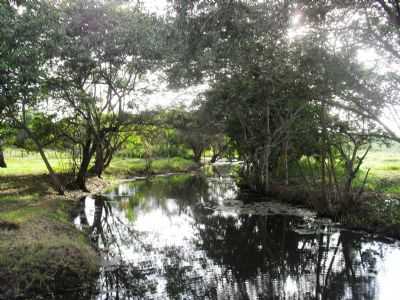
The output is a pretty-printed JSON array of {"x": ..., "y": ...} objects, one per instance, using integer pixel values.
[
  {"x": 41, "y": 251},
  {"x": 123, "y": 168},
  {"x": 384, "y": 176},
  {"x": 377, "y": 211},
  {"x": 21, "y": 163}
]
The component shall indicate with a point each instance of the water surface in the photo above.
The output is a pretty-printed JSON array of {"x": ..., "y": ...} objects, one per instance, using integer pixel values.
[{"x": 192, "y": 237}]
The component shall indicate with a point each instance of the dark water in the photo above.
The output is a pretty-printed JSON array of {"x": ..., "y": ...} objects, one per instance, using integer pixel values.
[{"x": 189, "y": 237}]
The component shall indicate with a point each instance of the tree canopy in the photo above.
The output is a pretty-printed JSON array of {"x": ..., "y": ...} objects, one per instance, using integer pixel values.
[{"x": 286, "y": 83}]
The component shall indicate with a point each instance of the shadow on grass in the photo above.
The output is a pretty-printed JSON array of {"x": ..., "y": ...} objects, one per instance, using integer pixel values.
[{"x": 21, "y": 191}]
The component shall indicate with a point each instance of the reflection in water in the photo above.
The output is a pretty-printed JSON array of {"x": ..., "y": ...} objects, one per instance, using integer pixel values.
[{"x": 186, "y": 237}]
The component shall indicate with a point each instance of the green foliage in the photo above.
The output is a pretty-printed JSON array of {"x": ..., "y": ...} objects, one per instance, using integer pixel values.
[
  {"x": 70, "y": 73},
  {"x": 26, "y": 46},
  {"x": 166, "y": 143}
]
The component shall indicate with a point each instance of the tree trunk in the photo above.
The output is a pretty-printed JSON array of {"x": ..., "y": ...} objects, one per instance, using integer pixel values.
[
  {"x": 214, "y": 158},
  {"x": 2, "y": 160},
  {"x": 99, "y": 162},
  {"x": 53, "y": 176},
  {"x": 218, "y": 152},
  {"x": 87, "y": 153},
  {"x": 108, "y": 159},
  {"x": 286, "y": 160},
  {"x": 323, "y": 155},
  {"x": 197, "y": 155},
  {"x": 267, "y": 150},
  {"x": 58, "y": 185}
]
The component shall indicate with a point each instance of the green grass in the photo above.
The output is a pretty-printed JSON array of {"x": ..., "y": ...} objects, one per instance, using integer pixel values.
[
  {"x": 42, "y": 243},
  {"x": 21, "y": 163},
  {"x": 131, "y": 167},
  {"x": 383, "y": 177},
  {"x": 32, "y": 165},
  {"x": 42, "y": 256},
  {"x": 384, "y": 173}
]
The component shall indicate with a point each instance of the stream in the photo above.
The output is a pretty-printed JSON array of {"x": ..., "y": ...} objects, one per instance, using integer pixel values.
[{"x": 196, "y": 237}]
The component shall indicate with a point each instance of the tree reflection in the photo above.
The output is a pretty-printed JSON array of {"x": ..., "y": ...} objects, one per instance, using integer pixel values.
[
  {"x": 277, "y": 263},
  {"x": 118, "y": 279},
  {"x": 234, "y": 257}
]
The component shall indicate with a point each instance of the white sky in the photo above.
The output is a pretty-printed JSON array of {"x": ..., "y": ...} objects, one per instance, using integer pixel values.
[
  {"x": 156, "y": 6},
  {"x": 165, "y": 97}
]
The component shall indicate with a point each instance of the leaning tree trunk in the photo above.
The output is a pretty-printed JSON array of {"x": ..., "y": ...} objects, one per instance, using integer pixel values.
[
  {"x": 53, "y": 176},
  {"x": 108, "y": 159},
  {"x": 60, "y": 188}
]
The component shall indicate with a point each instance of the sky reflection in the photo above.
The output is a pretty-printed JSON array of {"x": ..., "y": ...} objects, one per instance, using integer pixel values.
[{"x": 191, "y": 238}]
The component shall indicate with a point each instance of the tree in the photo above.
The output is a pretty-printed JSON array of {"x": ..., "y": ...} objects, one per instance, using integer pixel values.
[
  {"x": 103, "y": 53},
  {"x": 150, "y": 136},
  {"x": 192, "y": 130},
  {"x": 25, "y": 50},
  {"x": 376, "y": 27},
  {"x": 3, "y": 131},
  {"x": 276, "y": 94},
  {"x": 2, "y": 160}
]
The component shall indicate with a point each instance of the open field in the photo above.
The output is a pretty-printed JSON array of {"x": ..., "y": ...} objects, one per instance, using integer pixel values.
[
  {"x": 21, "y": 163},
  {"x": 385, "y": 171},
  {"x": 123, "y": 168}
]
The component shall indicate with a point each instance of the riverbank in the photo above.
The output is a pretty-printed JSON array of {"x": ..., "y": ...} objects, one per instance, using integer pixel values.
[
  {"x": 129, "y": 167},
  {"x": 41, "y": 251},
  {"x": 375, "y": 212},
  {"x": 22, "y": 163}
]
